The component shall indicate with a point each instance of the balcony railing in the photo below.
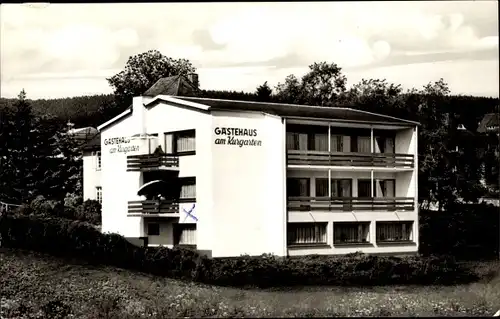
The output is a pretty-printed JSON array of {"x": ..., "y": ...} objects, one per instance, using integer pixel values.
[
  {"x": 296, "y": 157},
  {"x": 148, "y": 207},
  {"x": 348, "y": 204},
  {"x": 150, "y": 162}
]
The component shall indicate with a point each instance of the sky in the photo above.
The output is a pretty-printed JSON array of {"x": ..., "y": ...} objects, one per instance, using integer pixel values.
[{"x": 64, "y": 50}]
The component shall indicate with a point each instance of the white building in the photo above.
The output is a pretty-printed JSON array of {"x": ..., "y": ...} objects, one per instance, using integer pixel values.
[
  {"x": 254, "y": 178},
  {"x": 92, "y": 169}
]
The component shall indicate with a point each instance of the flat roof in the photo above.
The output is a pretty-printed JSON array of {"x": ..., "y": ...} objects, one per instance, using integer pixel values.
[
  {"x": 295, "y": 110},
  {"x": 344, "y": 114}
]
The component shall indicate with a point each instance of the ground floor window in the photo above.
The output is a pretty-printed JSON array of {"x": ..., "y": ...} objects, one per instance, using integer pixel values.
[
  {"x": 306, "y": 233},
  {"x": 153, "y": 229},
  {"x": 185, "y": 234},
  {"x": 98, "y": 192},
  {"x": 351, "y": 232},
  {"x": 394, "y": 231}
]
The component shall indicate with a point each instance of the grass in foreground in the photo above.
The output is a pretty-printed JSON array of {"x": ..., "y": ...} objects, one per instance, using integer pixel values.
[{"x": 30, "y": 281}]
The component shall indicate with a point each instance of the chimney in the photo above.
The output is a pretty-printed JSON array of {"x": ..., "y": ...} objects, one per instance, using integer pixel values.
[
  {"x": 138, "y": 113},
  {"x": 193, "y": 78}
]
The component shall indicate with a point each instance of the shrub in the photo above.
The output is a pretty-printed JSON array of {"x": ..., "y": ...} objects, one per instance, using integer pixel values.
[
  {"x": 89, "y": 211},
  {"x": 76, "y": 239}
]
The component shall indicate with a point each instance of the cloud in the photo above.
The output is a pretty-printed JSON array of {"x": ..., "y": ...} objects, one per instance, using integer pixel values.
[{"x": 86, "y": 41}]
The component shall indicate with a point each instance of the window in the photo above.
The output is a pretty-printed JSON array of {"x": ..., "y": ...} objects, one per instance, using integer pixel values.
[
  {"x": 180, "y": 143},
  {"x": 320, "y": 142},
  {"x": 394, "y": 231},
  {"x": 185, "y": 234},
  {"x": 340, "y": 143},
  {"x": 383, "y": 145},
  {"x": 364, "y": 188},
  {"x": 339, "y": 188},
  {"x": 185, "y": 141},
  {"x": 351, "y": 233},
  {"x": 153, "y": 229},
  {"x": 321, "y": 187},
  {"x": 298, "y": 187},
  {"x": 384, "y": 188},
  {"x": 364, "y": 144},
  {"x": 306, "y": 233},
  {"x": 98, "y": 194},
  {"x": 188, "y": 188},
  {"x": 97, "y": 159},
  {"x": 296, "y": 141},
  {"x": 307, "y": 138}
]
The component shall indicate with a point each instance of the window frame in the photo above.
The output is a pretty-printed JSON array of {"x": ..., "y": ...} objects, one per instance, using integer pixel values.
[
  {"x": 98, "y": 194},
  {"x": 175, "y": 135},
  {"x": 365, "y": 230},
  {"x": 409, "y": 231},
  {"x": 149, "y": 224},
  {"x": 177, "y": 232},
  {"x": 320, "y": 231},
  {"x": 185, "y": 181},
  {"x": 333, "y": 180},
  {"x": 289, "y": 179}
]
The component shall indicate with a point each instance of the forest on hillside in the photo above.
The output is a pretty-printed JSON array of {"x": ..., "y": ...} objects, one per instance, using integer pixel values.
[{"x": 86, "y": 110}]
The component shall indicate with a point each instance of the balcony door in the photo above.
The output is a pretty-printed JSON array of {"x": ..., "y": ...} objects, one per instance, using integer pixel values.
[
  {"x": 298, "y": 187},
  {"x": 383, "y": 145}
]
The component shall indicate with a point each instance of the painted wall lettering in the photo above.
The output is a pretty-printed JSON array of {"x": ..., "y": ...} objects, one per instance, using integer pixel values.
[
  {"x": 116, "y": 140},
  {"x": 236, "y": 136}
]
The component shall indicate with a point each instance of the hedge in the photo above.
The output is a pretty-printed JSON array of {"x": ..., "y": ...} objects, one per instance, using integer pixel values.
[{"x": 74, "y": 239}]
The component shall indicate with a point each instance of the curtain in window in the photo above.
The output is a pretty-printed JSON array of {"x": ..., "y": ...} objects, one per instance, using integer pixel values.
[
  {"x": 364, "y": 144},
  {"x": 187, "y": 235},
  {"x": 306, "y": 234},
  {"x": 188, "y": 191},
  {"x": 185, "y": 143},
  {"x": 336, "y": 143},
  {"x": 298, "y": 187},
  {"x": 350, "y": 233},
  {"x": 393, "y": 231},
  {"x": 292, "y": 141},
  {"x": 341, "y": 188},
  {"x": 321, "y": 142},
  {"x": 389, "y": 145},
  {"x": 169, "y": 144},
  {"x": 321, "y": 187}
]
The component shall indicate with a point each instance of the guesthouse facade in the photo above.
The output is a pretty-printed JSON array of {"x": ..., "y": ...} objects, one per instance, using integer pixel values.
[{"x": 233, "y": 177}]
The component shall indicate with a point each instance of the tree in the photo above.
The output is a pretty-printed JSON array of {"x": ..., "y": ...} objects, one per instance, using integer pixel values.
[
  {"x": 375, "y": 95},
  {"x": 142, "y": 71},
  {"x": 263, "y": 93},
  {"x": 38, "y": 160},
  {"x": 321, "y": 86},
  {"x": 290, "y": 91}
]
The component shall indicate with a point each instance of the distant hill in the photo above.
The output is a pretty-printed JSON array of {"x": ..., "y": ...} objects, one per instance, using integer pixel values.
[{"x": 85, "y": 110}]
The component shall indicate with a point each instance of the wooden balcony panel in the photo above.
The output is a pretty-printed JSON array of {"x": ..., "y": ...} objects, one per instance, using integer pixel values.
[
  {"x": 349, "y": 159},
  {"x": 146, "y": 207},
  {"x": 151, "y": 161},
  {"x": 350, "y": 204}
]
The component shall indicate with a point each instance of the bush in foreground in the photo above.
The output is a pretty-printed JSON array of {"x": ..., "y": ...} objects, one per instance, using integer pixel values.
[{"x": 77, "y": 240}]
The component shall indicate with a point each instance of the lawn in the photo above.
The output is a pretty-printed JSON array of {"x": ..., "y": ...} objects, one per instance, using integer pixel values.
[{"x": 28, "y": 281}]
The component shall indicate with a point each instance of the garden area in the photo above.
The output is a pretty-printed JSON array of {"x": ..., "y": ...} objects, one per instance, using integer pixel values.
[{"x": 35, "y": 285}]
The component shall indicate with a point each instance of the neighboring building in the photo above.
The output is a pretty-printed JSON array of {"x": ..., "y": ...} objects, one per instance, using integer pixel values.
[
  {"x": 92, "y": 169},
  {"x": 251, "y": 178}
]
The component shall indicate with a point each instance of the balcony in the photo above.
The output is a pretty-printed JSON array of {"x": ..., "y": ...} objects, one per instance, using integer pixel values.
[
  {"x": 149, "y": 162},
  {"x": 166, "y": 208},
  {"x": 349, "y": 204},
  {"x": 322, "y": 158}
]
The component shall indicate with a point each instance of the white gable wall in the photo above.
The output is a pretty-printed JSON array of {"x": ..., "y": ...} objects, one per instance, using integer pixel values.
[
  {"x": 163, "y": 118},
  {"x": 248, "y": 187}
]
